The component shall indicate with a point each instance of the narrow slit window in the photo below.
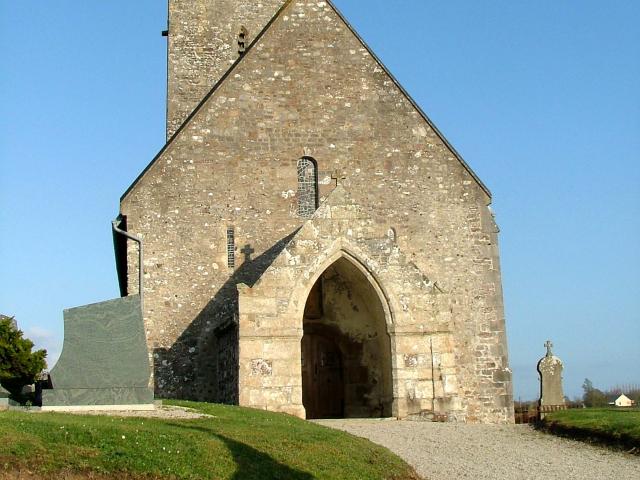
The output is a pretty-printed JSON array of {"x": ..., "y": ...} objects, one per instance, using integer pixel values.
[
  {"x": 242, "y": 41},
  {"x": 307, "y": 187},
  {"x": 231, "y": 248}
]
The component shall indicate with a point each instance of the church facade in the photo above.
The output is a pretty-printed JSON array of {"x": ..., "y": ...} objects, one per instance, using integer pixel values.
[{"x": 312, "y": 243}]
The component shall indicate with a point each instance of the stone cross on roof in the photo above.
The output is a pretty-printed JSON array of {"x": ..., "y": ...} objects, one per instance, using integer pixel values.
[
  {"x": 548, "y": 344},
  {"x": 338, "y": 177}
]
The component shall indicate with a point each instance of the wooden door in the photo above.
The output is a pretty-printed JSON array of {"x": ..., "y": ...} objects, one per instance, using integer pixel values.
[{"x": 322, "y": 383}]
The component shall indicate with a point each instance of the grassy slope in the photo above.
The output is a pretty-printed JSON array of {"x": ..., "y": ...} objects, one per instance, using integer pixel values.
[
  {"x": 613, "y": 426},
  {"x": 238, "y": 443}
]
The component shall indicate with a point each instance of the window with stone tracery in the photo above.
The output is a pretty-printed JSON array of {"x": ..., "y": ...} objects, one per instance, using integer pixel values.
[{"x": 307, "y": 187}]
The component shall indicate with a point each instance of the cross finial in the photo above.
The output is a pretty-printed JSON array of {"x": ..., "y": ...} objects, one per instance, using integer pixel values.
[
  {"x": 247, "y": 251},
  {"x": 338, "y": 177},
  {"x": 548, "y": 344}
]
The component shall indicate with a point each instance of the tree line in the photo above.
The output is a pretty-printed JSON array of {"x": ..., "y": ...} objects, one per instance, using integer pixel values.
[
  {"x": 591, "y": 397},
  {"x": 594, "y": 397}
]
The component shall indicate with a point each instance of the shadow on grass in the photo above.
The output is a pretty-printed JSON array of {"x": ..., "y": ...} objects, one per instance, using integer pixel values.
[
  {"x": 252, "y": 463},
  {"x": 615, "y": 440}
]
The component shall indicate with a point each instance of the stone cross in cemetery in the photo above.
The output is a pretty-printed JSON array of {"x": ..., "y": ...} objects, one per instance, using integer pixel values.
[{"x": 551, "y": 393}]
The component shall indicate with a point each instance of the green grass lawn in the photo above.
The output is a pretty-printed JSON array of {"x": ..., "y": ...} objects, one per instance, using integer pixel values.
[
  {"x": 615, "y": 426},
  {"x": 237, "y": 444}
]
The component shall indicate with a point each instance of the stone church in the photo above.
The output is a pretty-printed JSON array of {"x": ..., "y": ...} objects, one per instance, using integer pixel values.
[{"x": 312, "y": 243}]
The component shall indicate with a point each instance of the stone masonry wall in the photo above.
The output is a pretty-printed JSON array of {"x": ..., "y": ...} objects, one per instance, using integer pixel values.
[
  {"x": 203, "y": 44},
  {"x": 309, "y": 87},
  {"x": 417, "y": 316}
]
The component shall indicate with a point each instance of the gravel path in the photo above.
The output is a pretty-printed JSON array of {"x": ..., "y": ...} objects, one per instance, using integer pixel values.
[{"x": 442, "y": 451}]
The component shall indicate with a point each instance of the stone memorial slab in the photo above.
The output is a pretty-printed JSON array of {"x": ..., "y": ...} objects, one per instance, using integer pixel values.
[{"x": 104, "y": 358}]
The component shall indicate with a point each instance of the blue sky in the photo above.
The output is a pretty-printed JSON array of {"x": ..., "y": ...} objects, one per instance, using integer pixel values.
[{"x": 541, "y": 98}]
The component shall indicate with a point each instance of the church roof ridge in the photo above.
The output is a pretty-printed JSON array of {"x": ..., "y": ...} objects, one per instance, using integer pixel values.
[{"x": 369, "y": 50}]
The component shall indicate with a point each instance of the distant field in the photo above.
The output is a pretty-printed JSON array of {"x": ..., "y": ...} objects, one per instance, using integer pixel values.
[
  {"x": 617, "y": 427},
  {"x": 236, "y": 444}
]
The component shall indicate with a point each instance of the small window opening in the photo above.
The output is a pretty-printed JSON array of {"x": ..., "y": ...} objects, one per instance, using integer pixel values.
[
  {"x": 231, "y": 248},
  {"x": 242, "y": 41},
  {"x": 307, "y": 187}
]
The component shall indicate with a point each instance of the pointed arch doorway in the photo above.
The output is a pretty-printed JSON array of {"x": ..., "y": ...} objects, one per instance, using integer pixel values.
[{"x": 346, "y": 349}]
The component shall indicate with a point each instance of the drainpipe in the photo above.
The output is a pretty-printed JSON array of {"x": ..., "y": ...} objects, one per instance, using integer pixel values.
[
  {"x": 433, "y": 378},
  {"x": 138, "y": 240}
]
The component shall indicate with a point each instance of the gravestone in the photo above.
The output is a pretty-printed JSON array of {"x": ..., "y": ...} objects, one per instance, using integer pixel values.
[
  {"x": 28, "y": 389},
  {"x": 551, "y": 393},
  {"x": 4, "y": 399}
]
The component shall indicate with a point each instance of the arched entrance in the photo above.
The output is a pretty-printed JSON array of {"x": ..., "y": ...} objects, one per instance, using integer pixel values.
[{"x": 346, "y": 350}]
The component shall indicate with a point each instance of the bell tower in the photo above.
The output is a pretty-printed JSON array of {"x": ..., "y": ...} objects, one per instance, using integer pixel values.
[{"x": 205, "y": 37}]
